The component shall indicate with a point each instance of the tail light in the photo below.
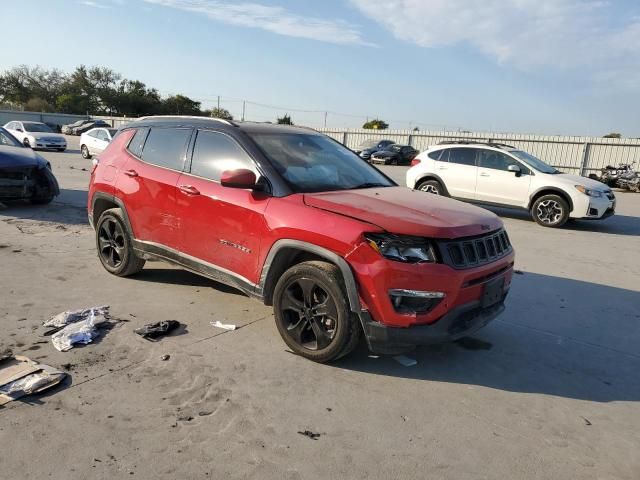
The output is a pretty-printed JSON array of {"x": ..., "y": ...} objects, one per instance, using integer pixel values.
[{"x": 415, "y": 162}]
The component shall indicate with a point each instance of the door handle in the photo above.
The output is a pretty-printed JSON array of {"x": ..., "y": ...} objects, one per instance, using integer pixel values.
[
  {"x": 442, "y": 167},
  {"x": 131, "y": 173},
  {"x": 484, "y": 174},
  {"x": 189, "y": 190}
]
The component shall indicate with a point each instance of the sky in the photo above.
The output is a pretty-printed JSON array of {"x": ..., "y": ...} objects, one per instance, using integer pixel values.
[{"x": 551, "y": 67}]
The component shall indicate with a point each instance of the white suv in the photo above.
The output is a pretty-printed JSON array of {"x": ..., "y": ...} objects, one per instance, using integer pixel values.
[{"x": 501, "y": 175}]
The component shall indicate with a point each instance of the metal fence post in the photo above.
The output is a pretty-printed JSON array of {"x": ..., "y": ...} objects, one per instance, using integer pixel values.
[
  {"x": 344, "y": 138},
  {"x": 409, "y": 139},
  {"x": 585, "y": 158}
]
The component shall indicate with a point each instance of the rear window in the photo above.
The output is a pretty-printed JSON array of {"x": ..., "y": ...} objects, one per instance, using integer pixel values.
[
  {"x": 166, "y": 147},
  {"x": 435, "y": 155},
  {"x": 137, "y": 142},
  {"x": 463, "y": 156}
]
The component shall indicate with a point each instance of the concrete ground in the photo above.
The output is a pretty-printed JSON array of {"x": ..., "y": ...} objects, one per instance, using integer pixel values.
[{"x": 550, "y": 390}]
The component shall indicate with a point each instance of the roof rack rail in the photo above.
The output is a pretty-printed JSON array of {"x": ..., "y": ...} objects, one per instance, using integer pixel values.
[
  {"x": 195, "y": 117},
  {"x": 474, "y": 142}
]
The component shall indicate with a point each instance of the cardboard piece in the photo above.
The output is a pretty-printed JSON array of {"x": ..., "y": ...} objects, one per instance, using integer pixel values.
[{"x": 20, "y": 376}]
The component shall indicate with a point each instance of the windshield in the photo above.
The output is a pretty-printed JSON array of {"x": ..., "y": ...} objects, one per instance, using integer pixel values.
[
  {"x": 316, "y": 163},
  {"x": 534, "y": 162},
  {"x": 37, "y": 127},
  {"x": 8, "y": 140}
]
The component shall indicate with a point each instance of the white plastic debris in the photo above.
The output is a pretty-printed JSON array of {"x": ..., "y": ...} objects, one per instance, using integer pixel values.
[
  {"x": 405, "y": 361},
  {"x": 72, "y": 316},
  {"x": 80, "y": 332},
  {"x": 226, "y": 326}
]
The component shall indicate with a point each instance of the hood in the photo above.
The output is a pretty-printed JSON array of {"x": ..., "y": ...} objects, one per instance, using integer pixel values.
[
  {"x": 18, "y": 157},
  {"x": 44, "y": 135},
  {"x": 408, "y": 212},
  {"x": 572, "y": 180}
]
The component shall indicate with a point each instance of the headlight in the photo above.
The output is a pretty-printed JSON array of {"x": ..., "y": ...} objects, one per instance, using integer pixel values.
[
  {"x": 402, "y": 248},
  {"x": 588, "y": 191}
]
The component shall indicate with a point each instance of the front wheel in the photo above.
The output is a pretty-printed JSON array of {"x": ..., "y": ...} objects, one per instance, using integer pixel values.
[
  {"x": 115, "y": 246},
  {"x": 84, "y": 151},
  {"x": 312, "y": 313},
  {"x": 550, "y": 211}
]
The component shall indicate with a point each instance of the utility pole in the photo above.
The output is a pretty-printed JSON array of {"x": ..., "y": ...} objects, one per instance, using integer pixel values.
[
  {"x": 218, "y": 102},
  {"x": 243, "y": 109},
  {"x": 325, "y": 119}
]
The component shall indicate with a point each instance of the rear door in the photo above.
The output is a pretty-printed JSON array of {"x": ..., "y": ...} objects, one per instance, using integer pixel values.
[
  {"x": 148, "y": 183},
  {"x": 221, "y": 226},
  {"x": 101, "y": 140},
  {"x": 498, "y": 185},
  {"x": 457, "y": 168}
]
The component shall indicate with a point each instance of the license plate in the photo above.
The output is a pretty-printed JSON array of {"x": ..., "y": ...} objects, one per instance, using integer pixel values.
[{"x": 493, "y": 292}]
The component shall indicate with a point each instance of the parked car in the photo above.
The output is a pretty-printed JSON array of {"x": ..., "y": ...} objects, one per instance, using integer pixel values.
[
  {"x": 296, "y": 220},
  {"x": 23, "y": 173},
  {"x": 94, "y": 141},
  {"x": 368, "y": 147},
  {"x": 54, "y": 127},
  {"x": 498, "y": 174},
  {"x": 395, "y": 155},
  {"x": 37, "y": 135},
  {"x": 85, "y": 127},
  {"x": 66, "y": 129}
]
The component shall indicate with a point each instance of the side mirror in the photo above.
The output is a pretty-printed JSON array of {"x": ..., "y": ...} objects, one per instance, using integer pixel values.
[
  {"x": 19, "y": 130},
  {"x": 515, "y": 169},
  {"x": 240, "y": 178}
]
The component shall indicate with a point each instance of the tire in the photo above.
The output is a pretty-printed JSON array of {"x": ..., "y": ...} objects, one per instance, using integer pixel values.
[
  {"x": 431, "y": 186},
  {"x": 303, "y": 291},
  {"x": 550, "y": 211},
  {"x": 114, "y": 245},
  {"x": 41, "y": 200},
  {"x": 84, "y": 151}
]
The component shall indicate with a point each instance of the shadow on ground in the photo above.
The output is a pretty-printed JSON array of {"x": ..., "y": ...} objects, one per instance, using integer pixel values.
[
  {"x": 70, "y": 208},
  {"x": 558, "y": 337},
  {"x": 615, "y": 225},
  {"x": 176, "y": 276}
]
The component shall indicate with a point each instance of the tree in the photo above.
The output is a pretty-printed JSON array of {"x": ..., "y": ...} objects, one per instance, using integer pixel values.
[
  {"x": 612, "y": 135},
  {"x": 38, "y": 104},
  {"x": 219, "y": 113},
  {"x": 22, "y": 83},
  {"x": 180, "y": 105},
  {"x": 416, "y": 129},
  {"x": 376, "y": 124},
  {"x": 285, "y": 120}
]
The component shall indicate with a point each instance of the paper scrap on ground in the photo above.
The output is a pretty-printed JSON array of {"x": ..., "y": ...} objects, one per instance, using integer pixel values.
[
  {"x": 405, "y": 361},
  {"x": 226, "y": 326},
  {"x": 72, "y": 316},
  {"x": 79, "y": 332}
]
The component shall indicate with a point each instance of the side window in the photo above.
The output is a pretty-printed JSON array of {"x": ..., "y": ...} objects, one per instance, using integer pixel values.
[
  {"x": 102, "y": 135},
  {"x": 463, "y": 156},
  {"x": 435, "y": 155},
  {"x": 10, "y": 126},
  {"x": 137, "y": 142},
  {"x": 165, "y": 147},
  {"x": 214, "y": 153},
  {"x": 497, "y": 161}
]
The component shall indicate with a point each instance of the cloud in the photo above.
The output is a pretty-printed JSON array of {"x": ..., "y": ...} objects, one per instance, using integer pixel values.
[
  {"x": 271, "y": 18},
  {"x": 529, "y": 34},
  {"x": 91, "y": 3}
]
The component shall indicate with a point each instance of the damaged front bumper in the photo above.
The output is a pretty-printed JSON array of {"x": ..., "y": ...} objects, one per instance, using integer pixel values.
[{"x": 27, "y": 183}]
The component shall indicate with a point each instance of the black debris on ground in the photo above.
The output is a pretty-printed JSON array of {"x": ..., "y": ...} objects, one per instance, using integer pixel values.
[
  {"x": 310, "y": 434},
  {"x": 152, "y": 331}
]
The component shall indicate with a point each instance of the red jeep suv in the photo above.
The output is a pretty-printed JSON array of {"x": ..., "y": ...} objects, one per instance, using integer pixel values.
[{"x": 293, "y": 218}]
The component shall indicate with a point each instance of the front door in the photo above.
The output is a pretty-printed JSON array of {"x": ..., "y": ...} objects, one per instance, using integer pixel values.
[
  {"x": 496, "y": 184},
  {"x": 221, "y": 226}
]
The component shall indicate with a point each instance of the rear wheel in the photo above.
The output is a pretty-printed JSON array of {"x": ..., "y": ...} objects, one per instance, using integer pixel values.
[
  {"x": 550, "y": 211},
  {"x": 312, "y": 313},
  {"x": 84, "y": 151},
  {"x": 115, "y": 246},
  {"x": 431, "y": 186}
]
